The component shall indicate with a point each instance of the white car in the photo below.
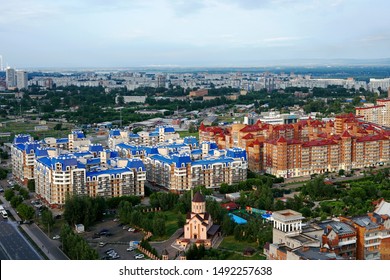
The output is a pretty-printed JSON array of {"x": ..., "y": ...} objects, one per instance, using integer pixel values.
[
  {"x": 56, "y": 237},
  {"x": 139, "y": 256},
  {"x": 130, "y": 249},
  {"x": 131, "y": 229}
]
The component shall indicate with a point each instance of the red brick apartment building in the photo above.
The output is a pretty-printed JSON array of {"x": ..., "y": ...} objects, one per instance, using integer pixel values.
[{"x": 306, "y": 147}]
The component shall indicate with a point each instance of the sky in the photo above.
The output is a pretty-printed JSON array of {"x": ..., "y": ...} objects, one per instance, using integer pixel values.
[{"x": 189, "y": 33}]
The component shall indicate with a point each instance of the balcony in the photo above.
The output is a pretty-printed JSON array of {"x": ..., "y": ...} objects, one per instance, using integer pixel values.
[{"x": 347, "y": 242}]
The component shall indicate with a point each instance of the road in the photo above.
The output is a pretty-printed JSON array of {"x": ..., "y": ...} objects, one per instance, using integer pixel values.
[
  {"x": 48, "y": 246},
  {"x": 13, "y": 244}
]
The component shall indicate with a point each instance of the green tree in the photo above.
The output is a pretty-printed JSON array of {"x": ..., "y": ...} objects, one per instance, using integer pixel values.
[
  {"x": 31, "y": 185},
  {"x": 159, "y": 228},
  {"x": 9, "y": 194},
  {"x": 47, "y": 219},
  {"x": 16, "y": 200},
  {"x": 24, "y": 193},
  {"x": 25, "y": 211}
]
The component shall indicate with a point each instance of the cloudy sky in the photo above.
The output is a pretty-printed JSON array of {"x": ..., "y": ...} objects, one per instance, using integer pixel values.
[{"x": 126, "y": 33}]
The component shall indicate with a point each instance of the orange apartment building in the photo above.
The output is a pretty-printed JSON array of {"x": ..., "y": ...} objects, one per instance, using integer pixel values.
[
  {"x": 306, "y": 147},
  {"x": 373, "y": 236},
  {"x": 377, "y": 114}
]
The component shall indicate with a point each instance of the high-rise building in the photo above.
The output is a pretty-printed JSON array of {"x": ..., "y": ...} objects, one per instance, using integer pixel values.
[
  {"x": 10, "y": 77},
  {"x": 21, "y": 79}
]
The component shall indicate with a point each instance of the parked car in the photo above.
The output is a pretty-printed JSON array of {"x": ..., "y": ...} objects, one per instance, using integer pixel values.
[
  {"x": 108, "y": 251},
  {"x": 139, "y": 256},
  {"x": 131, "y": 229},
  {"x": 125, "y": 227},
  {"x": 56, "y": 237},
  {"x": 130, "y": 249},
  {"x": 102, "y": 244}
]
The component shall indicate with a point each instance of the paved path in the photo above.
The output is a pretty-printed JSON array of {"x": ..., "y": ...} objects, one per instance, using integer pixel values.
[{"x": 169, "y": 244}]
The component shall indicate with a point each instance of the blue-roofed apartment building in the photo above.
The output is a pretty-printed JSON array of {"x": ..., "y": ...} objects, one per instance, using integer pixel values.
[
  {"x": 24, "y": 151},
  {"x": 76, "y": 140},
  {"x": 57, "y": 176},
  {"x": 148, "y": 138},
  {"x": 179, "y": 172}
]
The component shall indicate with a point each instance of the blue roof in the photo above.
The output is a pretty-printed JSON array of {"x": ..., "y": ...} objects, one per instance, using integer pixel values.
[
  {"x": 112, "y": 153},
  {"x": 153, "y": 134},
  {"x": 96, "y": 148},
  {"x": 151, "y": 150},
  {"x": 22, "y": 138},
  {"x": 82, "y": 154},
  {"x": 93, "y": 161},
  {"x": 115, "y": 132},
  {"x": 167, "y": 129},
  {"x": 212, "y": 145},
  {"x": 62, "y": 140},
  {"x": 41, "y": 152},
  {"x": 236, "y": 153},
  {"x": 113, "y": 171},
  {"x": 133, "y": 135},
  {"x": 173, "y": 159},
  {"x": 135, "y": 163},
  {"x": 212, "y": 161},
  {"x": 191, "y": 140},
  {"x": 132, "y": 148},
  {"x": 64, "y": 160},
  {"x": 78, "y": 133},
  {"x": 196, "y": 152}
]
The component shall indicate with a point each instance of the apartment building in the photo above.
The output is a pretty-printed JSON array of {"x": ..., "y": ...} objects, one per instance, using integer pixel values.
[
  {"x": 365, "y": 237},
  {"x": 373, "y": 235},
  {"x": 56, "y": 177},
  {"x": 181, "y": 171},
  {"x": 377, "y": 114},
  {"x": 306, "y": 147},
  {"x": 148, "y": 138}
]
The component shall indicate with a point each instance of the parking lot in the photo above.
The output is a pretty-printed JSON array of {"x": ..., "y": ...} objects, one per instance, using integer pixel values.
[{"x": 117, "y": 239}]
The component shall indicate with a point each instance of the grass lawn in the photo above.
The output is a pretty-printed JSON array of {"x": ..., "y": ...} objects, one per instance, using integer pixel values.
[
  {"x": 186, "y": 133},
  {"x": 27, "y": 127},
  {"x": 235, "y": 256},
  {"x": 170, "y": 224},
  {"x": 229, "y": 243}
]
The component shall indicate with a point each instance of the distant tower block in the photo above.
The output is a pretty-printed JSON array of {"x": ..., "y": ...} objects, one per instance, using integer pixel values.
[{"x": 1, "y": 63}]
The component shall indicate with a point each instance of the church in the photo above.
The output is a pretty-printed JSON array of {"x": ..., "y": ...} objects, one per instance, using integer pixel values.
[{"x": 199, "y": 227}]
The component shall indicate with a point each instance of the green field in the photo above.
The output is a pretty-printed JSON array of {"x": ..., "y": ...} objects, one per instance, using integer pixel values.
[
  {"x": 28, "y": 127},
  {"x": 231, "y": 244},
  {"x": 170, "y": 224},
  {"x": 186, "y": 133}
]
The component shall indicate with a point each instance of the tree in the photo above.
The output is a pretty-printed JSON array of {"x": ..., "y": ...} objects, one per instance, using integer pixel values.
[
  {"x": 159, "y": 228},
  {"x": 181, "y": 221},
  {"x": 47, "y": 219},
  {"x": 25, "y": 211},
  {"x": 31, "y": 185},
  {"x": 9, "y": 194},
  {"x": 58, "y": 126},
  {"x": 16, "y": 200},
  {"x": 24, "y": 193}
]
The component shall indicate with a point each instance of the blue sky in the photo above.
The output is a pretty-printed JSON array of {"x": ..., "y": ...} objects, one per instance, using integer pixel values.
[{"x": 119, "y": 33}]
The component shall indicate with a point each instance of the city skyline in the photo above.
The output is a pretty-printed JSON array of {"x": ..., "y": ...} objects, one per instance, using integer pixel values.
[{"x": 191, "y": 33}]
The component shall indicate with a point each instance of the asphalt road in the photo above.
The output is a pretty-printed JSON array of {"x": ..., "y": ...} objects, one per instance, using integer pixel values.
[{"x": 13, "y": 244}]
